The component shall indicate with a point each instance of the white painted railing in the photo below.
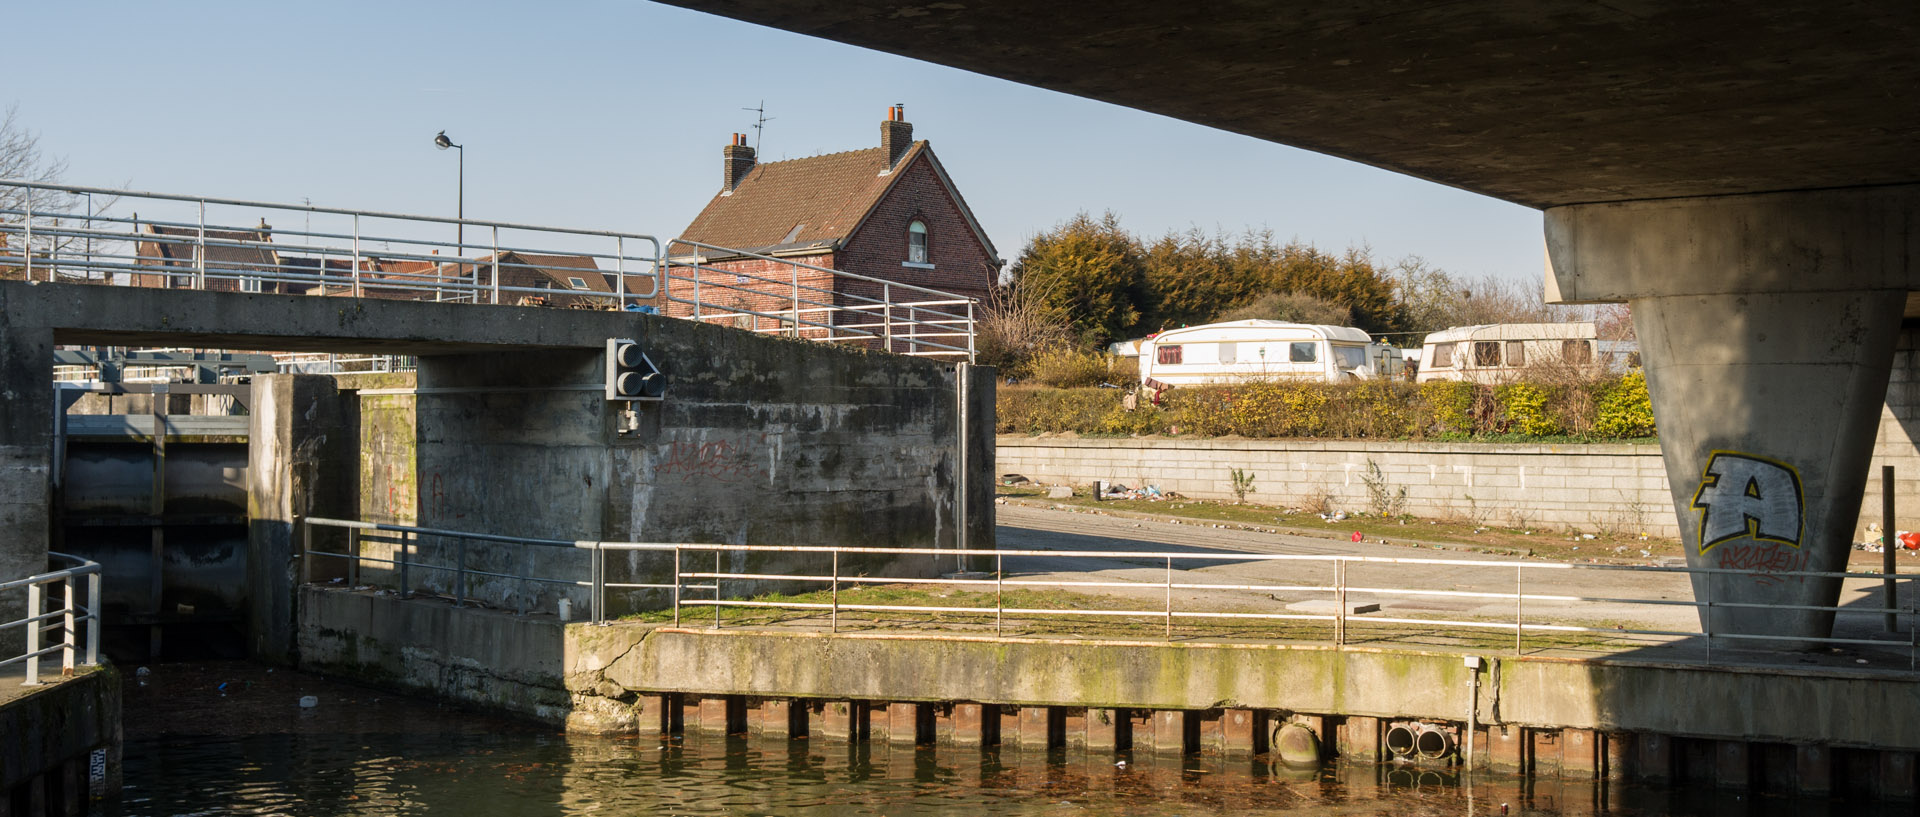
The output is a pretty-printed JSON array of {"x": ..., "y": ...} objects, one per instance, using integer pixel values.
[{"x": 60, "y": 590}]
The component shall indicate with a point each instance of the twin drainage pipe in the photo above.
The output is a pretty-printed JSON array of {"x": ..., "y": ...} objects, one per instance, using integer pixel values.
[{"x": 1433, "y": 742}]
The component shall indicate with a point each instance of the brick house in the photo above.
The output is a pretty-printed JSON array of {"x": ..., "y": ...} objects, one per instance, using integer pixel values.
[{"x": 889, "y": 212}]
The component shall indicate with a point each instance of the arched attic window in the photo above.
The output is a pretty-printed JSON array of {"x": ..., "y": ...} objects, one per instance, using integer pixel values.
[{"x": 917, "y": 249}]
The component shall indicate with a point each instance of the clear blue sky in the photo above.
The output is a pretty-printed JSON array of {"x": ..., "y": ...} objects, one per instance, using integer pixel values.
[{"x": 612, "y": 113}]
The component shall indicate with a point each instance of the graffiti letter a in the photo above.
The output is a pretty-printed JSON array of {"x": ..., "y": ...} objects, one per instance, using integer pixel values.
[{"x": 1744, "y": 495}]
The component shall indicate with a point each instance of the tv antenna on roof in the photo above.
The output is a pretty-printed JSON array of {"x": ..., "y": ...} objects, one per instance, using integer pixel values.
[{"x": 761, "y": 125}]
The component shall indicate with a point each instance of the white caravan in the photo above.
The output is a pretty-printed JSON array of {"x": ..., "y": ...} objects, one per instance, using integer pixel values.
[
  {"x": 1496, "y": 353},
  {"x": 1239, "y": 351}
]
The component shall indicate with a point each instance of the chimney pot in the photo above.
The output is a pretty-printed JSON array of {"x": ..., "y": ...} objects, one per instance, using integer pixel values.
[
  {"x": 896, "y": 134},
  {"x": 736, "y": 160}
]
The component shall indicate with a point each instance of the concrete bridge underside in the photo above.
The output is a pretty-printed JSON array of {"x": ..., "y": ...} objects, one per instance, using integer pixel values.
[{"x": 1742, "y": 174}]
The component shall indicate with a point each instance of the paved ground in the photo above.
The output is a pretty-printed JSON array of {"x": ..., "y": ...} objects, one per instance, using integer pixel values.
[{"x": 1627, "y": 597}]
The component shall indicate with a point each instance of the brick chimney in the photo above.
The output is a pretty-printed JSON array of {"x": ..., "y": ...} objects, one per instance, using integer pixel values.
[
  {"x": 736, "y": 161},
  {"x": 896, "y": 135}
]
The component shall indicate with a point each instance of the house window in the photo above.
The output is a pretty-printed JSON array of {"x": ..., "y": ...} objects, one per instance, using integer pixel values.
[
  {"x": 250, "y": 284},
  {"x": 1302, "y": 352},
  {"x": 1486, "y": 353},
  {"x": 1516, "y": 353},
  {"x": 1167, "y": 354},
  {"x": 917, "y": 242},
  {"x": 578, "y": 283}
]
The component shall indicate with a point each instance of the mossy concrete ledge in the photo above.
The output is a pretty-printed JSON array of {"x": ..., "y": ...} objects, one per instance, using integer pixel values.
[{"x": 608, "y": 668}]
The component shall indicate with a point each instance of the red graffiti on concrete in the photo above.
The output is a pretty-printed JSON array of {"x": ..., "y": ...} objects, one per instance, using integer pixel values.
[
  {"x": 1763, "y": 559},
  {"x": 721, "y": 461}
]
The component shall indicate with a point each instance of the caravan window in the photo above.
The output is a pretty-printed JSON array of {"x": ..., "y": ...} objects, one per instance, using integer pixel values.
[
  {"x": 1350, "y": 357},
  {"x": 1167, "y": 354},
  {"x": 1227, "y": 351},
  {"x": 1302, "y": 352},
  {"x": 1443, "y": 356},
  {"x": 1516, "y": 353},
  {"x": 1577, "y": 352},
  {"x": 1486, "y": 353}
]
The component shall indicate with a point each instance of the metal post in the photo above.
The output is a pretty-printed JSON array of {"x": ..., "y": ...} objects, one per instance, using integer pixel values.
[
  {"x": 34, "y": 605},
  {"x": 496, "y": 267},
  {"x": 200, "y": 251},
  {"x": 1887, "y": 544},
  {"x": 526, "y": 572},
  {"x": 834, "y": 608},
  {"x": 716, "y": 590},
  {"x": 460, "y": 573},
  {"x": 356, "y": 261},
  {"x": 599, "y": 588},
  {"x": 306, "y": 551},
  {"x": 353, "y": 558},
  {"x": 26, "y": 245},
  {"x": 1706, "y": 626},
  {"x": 93, "y": 619},
  {"x": 676, "y": 585},
  {"x": 1340, "y": 602},
  {"x": 406, "y": 545},
  {"x": 796, "y": 301},
  {"x": 886, "y": 297},
  {"x": 619, "y": 272},
  {"x": 1169, "y": 598},
  {"x": 1519, "y": 607},
  {"x": 68, "y": 636},
  {"x": 970, "y": 330},
  {"x": 999, "y": 591}
]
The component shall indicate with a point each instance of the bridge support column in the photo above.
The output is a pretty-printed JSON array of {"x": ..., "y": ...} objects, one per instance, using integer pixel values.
[
  {"x": 1767, "y": 328},
  {"x": 26, "y": 428},
  {"x": 301, "y": 461}
]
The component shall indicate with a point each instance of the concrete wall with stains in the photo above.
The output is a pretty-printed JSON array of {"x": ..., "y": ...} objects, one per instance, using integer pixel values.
[{"x": 761, "y": 441}]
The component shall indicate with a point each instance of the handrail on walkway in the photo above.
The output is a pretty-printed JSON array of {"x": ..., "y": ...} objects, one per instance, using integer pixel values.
[
  {"x": 64, "y": 619},
  {"x": 592, "y": 576},
  {"x": 93, "y": 235}
]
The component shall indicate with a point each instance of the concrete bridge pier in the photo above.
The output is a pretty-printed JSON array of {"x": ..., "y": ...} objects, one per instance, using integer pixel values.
[{"x": 1767, "y": 327}]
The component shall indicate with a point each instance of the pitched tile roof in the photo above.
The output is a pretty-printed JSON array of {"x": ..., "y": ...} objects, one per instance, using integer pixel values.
[
  {"x": 224, "y": 250},
  {"x": 798, "y": 204}
]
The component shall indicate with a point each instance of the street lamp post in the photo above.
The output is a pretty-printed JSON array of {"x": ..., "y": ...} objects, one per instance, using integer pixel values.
[{"x": 441, "y": 141}]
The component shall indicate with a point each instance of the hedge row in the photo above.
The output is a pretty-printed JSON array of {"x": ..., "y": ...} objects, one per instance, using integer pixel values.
[{"x": 1607, "y": 409}]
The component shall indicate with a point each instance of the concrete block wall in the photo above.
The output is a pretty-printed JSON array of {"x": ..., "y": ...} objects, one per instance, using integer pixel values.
[
  {"x": 1896, "y": 444},
  {"x": 1586, "y": 487}
]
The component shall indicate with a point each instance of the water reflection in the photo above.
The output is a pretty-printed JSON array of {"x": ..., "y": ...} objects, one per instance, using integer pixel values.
[{"x": 536, "y": 773}]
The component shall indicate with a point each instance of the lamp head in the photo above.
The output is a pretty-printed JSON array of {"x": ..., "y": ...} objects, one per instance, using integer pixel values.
[{"x": 441, "y": 141}]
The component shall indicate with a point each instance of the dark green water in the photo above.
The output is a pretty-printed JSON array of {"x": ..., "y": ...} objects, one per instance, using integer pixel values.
[{"x": 194, "y": 749}]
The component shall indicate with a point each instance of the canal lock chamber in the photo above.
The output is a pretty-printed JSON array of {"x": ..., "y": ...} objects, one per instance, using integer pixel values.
[{"x": 168, "y": 523}]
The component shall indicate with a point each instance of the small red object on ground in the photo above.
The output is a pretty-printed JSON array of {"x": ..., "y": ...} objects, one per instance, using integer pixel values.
[{"x": 1357, "y": 537}]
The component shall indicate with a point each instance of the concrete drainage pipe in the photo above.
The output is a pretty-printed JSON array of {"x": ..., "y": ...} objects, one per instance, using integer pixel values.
[
  {"x": 1401, "y": 740},
  {"x": 1433, "y": 742}
]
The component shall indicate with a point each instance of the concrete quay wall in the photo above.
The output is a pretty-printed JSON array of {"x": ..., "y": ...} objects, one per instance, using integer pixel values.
[
  {"x": 1778, "y": 730},
  {"x": 486, "y": 659},
  {"x": 60, "y": 743}
]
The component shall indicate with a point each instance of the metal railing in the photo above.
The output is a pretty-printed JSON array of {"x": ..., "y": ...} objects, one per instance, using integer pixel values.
[
  {"x": 78, "y": 235},
  {"x": 71, "y": 234},
  {"x": 64, "y": 620},
  {"x": 773, "y": 295},
  {"x": 1533, "y": 612}
]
